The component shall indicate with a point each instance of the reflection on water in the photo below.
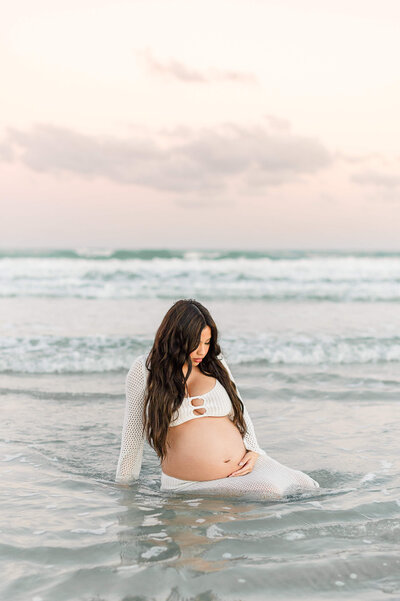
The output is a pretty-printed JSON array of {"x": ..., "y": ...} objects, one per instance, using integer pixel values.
[
  {"x": 70, "y": 532},
  {"x": 179, "y": 529}
]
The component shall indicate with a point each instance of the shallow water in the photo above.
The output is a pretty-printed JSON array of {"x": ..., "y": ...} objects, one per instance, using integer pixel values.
[
  {"x": 70, "y": 532},
  {"x": 321, "y": 381}
]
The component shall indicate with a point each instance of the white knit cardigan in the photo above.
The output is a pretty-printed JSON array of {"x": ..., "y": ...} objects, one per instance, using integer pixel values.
[{"x": 132, "y": 441}]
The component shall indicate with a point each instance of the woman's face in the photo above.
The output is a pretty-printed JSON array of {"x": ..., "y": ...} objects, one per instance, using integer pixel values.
[{"x": 202, "y": 350}]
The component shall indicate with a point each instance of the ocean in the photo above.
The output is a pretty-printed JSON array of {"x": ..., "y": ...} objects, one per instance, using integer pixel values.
[{"x": 313, "y": 341}]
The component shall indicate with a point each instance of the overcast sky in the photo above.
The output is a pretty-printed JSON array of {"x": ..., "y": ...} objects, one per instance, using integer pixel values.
[{"x": 240, "y": 124}]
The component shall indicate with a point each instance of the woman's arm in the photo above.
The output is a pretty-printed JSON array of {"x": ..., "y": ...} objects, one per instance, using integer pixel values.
[
  {"x": 250, "y": 438},
  {"x": 132, "y": 439}
]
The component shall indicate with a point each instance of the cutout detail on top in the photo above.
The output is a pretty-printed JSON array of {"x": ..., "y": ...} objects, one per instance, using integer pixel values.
[
  {"x": 195, "y": 403},
  {"x": 198, "y": 403}
]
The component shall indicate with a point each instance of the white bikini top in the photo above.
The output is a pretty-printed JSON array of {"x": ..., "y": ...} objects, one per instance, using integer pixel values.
[{"x": 216, "y": 403}]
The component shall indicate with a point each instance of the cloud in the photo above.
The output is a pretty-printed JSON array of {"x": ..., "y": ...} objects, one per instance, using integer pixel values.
[
  {"x": 6, "y": 153},
  {"x": 358, "y": 158},
  {"x": 191, "y": 161},
  {"x": 278, "y": 123},
  {"x": 177, "y": 70},
  {"x": 376, "y": 178}
]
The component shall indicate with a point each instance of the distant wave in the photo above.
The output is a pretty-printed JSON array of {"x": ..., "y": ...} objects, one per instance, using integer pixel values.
[
  {"x": 104, "y": 254},
  {"x": 99, "y": 354},
  {"x": 209, "y": 275}
]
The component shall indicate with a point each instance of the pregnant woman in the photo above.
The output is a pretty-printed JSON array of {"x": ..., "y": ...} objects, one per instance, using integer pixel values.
[{"x": 183, "y": 399}]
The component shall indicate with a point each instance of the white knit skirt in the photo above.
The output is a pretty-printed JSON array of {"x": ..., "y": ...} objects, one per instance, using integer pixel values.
[{"x": 269, "y": 479}]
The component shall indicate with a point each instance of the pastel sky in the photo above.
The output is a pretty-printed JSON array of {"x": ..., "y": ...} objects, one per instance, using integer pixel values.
[{"x": 200, "y": 124}]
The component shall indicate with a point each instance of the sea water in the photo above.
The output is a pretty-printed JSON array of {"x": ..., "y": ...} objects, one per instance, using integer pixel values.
[{"x": 313, "y": 341}]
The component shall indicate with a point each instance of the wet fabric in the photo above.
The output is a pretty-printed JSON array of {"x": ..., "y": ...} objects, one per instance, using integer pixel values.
[{"x": 268, "y": 480}]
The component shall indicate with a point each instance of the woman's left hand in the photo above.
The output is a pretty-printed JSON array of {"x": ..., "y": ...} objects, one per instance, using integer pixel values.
[{"x": 247, "y": 462}]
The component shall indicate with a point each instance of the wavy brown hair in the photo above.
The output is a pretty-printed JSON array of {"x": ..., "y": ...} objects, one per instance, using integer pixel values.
[{"x": 179, "y": 335}]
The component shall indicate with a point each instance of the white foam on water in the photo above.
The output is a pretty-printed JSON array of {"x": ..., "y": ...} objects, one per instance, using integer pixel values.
[
  {"x": 12, "y": 457},
  {"x": 150, "y": 520},
  {"x": 294, "y": 535},
  {"x": 368, "y": 478},
  {"x": 153, "y": 552},
  {"x": 160, "y": 535},
  {"x": 213, "y": 531}
]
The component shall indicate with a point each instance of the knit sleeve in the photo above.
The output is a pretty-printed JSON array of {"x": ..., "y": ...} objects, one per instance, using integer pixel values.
[
  {"x": 249, "y": 439},
  {"x": 132, "y": 439}
]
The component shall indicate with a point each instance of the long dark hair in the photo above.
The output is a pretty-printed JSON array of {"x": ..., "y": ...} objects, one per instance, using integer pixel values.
[{"x": 179, "y": 335}]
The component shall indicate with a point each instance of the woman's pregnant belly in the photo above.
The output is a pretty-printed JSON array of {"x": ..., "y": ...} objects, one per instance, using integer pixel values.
[{"x": 204, "y": 448}]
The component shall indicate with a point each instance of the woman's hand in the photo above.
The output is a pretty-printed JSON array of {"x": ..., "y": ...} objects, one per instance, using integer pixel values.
[{"x": 247, "y": 462}]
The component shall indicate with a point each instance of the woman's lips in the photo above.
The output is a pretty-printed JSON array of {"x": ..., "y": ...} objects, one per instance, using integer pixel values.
[{"x": 198, "y": 360}]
